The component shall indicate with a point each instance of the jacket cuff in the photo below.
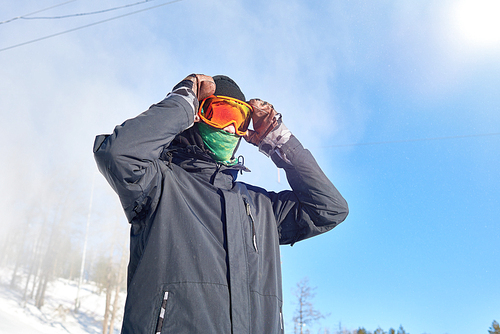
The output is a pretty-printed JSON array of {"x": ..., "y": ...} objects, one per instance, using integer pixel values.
[
  {"x": 186, "y": 93},
  {"x": 275, "y": 139},
  {"x": 288, "y": 150}
]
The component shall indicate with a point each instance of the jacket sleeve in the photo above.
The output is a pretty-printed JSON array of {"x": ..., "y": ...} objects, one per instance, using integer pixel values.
[
  {"x": 129, "y": 157},
  {"x": 314, "y": 205}
]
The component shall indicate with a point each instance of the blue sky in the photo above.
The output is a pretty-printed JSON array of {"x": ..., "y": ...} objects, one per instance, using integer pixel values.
[{"x": 397, "y": 100}]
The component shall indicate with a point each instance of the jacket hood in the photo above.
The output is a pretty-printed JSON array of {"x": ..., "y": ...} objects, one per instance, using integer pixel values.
[{"x": 189, "y": 137}]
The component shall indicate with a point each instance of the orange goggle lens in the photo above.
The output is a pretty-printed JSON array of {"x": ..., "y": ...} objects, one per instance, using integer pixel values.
[{"x": 221, "y": 111}]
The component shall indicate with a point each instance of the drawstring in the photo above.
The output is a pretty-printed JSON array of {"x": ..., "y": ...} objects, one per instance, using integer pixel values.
[
  {"x": 212, "y": 178},
  {"x": 168, "y": 156}
]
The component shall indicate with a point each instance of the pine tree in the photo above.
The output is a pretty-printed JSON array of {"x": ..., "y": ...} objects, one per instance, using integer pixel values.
[
  {"x": 401, "y": 330},
  {"x": 495, "y": 328}
]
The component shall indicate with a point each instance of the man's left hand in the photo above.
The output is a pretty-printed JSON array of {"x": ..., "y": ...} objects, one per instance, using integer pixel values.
[
  {"x": 264, "y": 120},
  {"x": 203, "y": 85}
]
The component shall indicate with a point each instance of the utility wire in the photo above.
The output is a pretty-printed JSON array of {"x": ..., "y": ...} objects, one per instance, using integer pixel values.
[
  {"x": 413, "y": 140},
  {"x": 87, "y": 25},
  {"x": 84, "y": 14},
  {"x": 38, "y": 11}
]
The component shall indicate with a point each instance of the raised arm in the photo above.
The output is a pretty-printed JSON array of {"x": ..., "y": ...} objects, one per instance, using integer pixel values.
[
  {"x": 129, "y": 157},
  {"x": 314, "y": 205}
]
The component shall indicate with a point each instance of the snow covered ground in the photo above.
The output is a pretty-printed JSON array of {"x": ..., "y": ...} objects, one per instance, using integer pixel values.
[{"x": 56, "y": 316}]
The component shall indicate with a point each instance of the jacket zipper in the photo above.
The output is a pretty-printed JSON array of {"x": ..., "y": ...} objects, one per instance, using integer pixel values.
[
  {"x": 252, "y": 221},
  {"x": 161, "y": 317},
  {"x": 281, "y": 319}
]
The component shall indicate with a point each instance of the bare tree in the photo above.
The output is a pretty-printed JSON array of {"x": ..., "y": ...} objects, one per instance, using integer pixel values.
[
  {"x": 60, "y": 215},
  {"x": 110, "y": 278},
  {"x": 110, "y": 281},
  {"x": 110, "y": 272},
  {"x": 305, "y": 313},
  {"x": 119, "y": 284},
  {"x": 39, "y": 246}
]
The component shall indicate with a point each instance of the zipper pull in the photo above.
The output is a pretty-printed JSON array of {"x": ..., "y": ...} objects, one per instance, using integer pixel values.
[
  {"x": 281, "y": 319},
  {"x": 254, "y": 240},
  {"x": 254, "y": 234}
]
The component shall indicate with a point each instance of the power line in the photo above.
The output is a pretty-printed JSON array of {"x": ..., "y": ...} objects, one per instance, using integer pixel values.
[
  {"x": 84, "y": 14},
  {"x": 87, "y": 25},
  {"x": 38, "y": 11},
  {"x": 412, "y": 140}
]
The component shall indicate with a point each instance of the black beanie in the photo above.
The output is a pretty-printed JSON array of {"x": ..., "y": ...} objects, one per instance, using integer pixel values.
[{"x": 226, "y": 86}]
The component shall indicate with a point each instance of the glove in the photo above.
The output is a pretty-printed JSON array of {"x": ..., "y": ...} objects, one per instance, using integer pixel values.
[
  {"x": 268, "y": 132},
  {"x": 202, "y": 85}
]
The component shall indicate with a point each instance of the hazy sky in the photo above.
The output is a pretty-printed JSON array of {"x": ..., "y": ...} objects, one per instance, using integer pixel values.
[{"x": 397, "y": 100}]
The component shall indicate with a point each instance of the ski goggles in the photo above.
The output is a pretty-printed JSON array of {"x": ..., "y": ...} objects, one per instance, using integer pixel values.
[{"x": 221, "y": 111}]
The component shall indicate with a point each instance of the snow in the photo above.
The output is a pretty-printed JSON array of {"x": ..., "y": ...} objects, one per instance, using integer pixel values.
[{"x": 57, "y": 316}]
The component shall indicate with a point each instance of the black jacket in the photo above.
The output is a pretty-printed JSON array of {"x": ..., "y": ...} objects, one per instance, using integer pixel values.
[{"x": 204, "y": 249}]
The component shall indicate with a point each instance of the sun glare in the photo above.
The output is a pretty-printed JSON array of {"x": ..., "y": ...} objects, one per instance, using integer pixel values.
[{"x": 478, "y": 21}]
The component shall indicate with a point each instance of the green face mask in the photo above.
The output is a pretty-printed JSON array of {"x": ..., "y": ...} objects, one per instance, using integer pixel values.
[{"x": 220, "y": 143}]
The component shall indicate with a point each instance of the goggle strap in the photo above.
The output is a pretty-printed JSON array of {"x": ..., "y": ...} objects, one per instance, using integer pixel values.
[{"x": 236, "y": 148}]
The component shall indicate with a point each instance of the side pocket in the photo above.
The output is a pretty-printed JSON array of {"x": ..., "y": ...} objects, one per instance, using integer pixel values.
[{"x": 161, "y": 317}]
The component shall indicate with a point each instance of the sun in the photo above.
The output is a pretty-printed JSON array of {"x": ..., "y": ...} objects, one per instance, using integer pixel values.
[{"x": 478, "y": 21}]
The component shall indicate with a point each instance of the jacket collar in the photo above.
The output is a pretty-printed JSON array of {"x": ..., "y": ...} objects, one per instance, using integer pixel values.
[{"x": 195, "y": 160}]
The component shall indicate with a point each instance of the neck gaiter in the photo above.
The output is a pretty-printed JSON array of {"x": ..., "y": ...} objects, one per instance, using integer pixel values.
[{"x": 221, "y": 144}]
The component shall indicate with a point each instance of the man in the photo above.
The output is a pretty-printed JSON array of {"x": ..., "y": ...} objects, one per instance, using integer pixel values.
[{"x": 204, "y": 249}]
